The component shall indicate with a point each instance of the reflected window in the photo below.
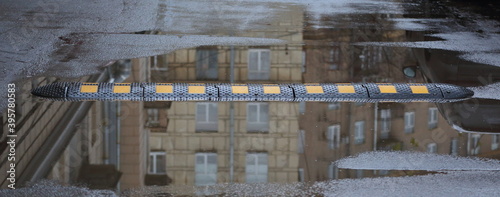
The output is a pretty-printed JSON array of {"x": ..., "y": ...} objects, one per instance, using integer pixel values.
[
  {"x": 360, "y": 174},
  {"x": 409, "y": 122},
  {"x": 301, "y": 174},
  {"x": 153, "y": 115},
  {"x": 495, "y": 141},
  {"x": 334, "y": 105},
  {"x": 370, "y": 57},
  {"x": 256, "y": 168},
  {"x": 333, "y": 136},
  {"x": 454, "y": 147},
  {"x": 206, "y": 169},
  {"x": 302, "y": 107},
  {"x": 475, "y": 146},
  {"x": 385, "y": 123},
  {"x": 357, "y": 104},
  {"x": 383, "y": 172},
  {"x": 157, "y": 163},
  {"x": 433, "y": 117},
  {"x": 259, "y": 63},
  {"x": 159, "y": 63},
  {"x": 257, "y": 117},
  {"x": 333, "y": 60},
  {"x": 206, "y": 64},
  {"x": 359, "y": 132},
  {"x": 333, "y": 171},
  {"x": 206, "y": 116},
  {"x": 432, "y": 148},
  {"x": 301, "y": 141}
]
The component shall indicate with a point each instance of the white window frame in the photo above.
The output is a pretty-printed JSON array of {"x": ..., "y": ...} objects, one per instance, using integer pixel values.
[
  {"x": 495, "y": 141},
  {"x": 409, "y": 121},
  {"x": 153, "y": 117},
  {"x": 209, "y": 57},
  {"x": 475, "y": 145},
  {"x": 154, "y": 63},
  {"x": 333, "y": 136},
  {"x": 385, "y": 123},
  {"x": 207, "y": 124},
  {"x": 360, "y": 173},
  {"x": 454, "y": 147},
  {"x": 302, "y": 107},
  {"x": 153, "y": 167},
  {"x": 301, "y": 174},
  {"x": 359, "y": 132},
  {"x": 301, "y": 141},
  {"x": 255, "y": 173},
  {"x": 261, "y": 73},
  {"x": 432, "y": 148},
  {"x": 383, "y": 172},
  {"x": 203, "y": 172},
  {"x": 333, "y": 105},
  {"x": 433, "y": 117},
  {"x": 333, "y": 60},
  {"x": 333, "y": 171},
  {"x": 259, "y": 125},
  {"x": 370, "y": 57}
]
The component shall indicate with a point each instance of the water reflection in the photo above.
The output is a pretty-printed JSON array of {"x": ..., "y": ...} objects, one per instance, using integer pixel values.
[{"x": 125, "y": 145}]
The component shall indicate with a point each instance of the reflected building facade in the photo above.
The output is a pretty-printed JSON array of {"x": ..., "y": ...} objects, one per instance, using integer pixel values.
[
  {"x": 110, "y": 144},
  {"x": 331, "y": 131},
  {"x": 35, "y": 124},
  {"x": 124, "y": 145},
  {"x": 194, "y": 147},
  {"x": 100, "y": 144}
]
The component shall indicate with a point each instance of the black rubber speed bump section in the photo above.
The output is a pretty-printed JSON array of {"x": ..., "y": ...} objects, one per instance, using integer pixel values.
[
  {"x": 55, "y": 91},
  {"x": 325, "y": 92}
]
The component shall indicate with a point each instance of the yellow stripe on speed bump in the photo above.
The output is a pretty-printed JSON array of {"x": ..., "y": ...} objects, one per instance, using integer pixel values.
[
  {"x": 272, "y": 90},
  {"x": 88, "y": 88},
  {"x": 314, "y": 89},
  {"x": 164, "y": 89},
  {"x": 121, "y": 88},
  {"x": 419, "y": 89},
  {"x": 346, "y": 89},
  {"x": 387, "y": 89},
  {"x": 239, "y": 89},
  {"x": 196, "y": 89}
]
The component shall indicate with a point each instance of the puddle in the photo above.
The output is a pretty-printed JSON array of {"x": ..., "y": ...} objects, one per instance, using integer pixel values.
[{"x": 283, "y": 148}]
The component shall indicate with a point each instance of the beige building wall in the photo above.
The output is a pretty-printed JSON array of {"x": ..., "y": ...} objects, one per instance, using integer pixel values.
[
  {"x": 340, "y": 62},
  {"x": 133, "y": 135},
  {"x": 181, "y": 142},
  {"x": 422, "y": 135},
  {"x": 285, "y": 63}
]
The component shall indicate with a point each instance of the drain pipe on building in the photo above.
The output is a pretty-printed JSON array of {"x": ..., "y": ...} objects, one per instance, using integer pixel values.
[
  {"x": 231, "y": 121},
  {"x": 117, "y": 73}
]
